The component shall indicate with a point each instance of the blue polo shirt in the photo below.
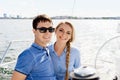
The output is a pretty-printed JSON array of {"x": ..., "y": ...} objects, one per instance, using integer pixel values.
[
  {"x": 60, "y": 61},
  {"x": 35, "y": 62}
]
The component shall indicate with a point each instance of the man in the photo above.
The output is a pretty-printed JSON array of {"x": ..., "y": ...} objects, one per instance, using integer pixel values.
[{"x": 35, "y": 63}]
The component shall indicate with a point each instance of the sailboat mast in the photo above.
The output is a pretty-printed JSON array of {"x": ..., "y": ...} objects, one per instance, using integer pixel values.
[{"x": 73, "y": 8}]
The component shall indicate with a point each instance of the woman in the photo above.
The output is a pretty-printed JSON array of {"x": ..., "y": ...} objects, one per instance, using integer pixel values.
[{"x": 65, "y": 58}]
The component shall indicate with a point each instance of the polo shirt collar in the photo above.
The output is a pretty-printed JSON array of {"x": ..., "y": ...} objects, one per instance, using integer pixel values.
[{"x": 37, "y": 46}]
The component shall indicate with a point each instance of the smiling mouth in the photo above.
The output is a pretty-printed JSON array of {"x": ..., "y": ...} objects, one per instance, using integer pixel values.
[
  {"x": 46, "y": 37},
  {"x": 63, "y": 38}
]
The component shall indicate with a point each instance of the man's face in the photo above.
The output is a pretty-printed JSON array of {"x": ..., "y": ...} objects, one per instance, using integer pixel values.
[{"x": 43, "y": 33}]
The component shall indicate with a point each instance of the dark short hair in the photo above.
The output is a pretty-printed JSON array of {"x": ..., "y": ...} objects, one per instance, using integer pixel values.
[{"x": 40, "y": 18}]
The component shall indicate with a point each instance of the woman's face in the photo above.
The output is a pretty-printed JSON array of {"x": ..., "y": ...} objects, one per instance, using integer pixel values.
[{"x": 63, "y": 33}]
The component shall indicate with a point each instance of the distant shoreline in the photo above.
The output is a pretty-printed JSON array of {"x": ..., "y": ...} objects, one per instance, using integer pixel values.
[{"x": 70, "y": 17}]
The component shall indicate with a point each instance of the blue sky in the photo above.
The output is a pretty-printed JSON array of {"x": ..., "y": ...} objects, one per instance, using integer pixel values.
[{"x": 60, "y": 7}]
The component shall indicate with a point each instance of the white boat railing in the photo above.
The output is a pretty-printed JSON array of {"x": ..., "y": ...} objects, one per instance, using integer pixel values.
[
  {"x": 10, "y": 43},
  {"x": 5, "y": 52},
  {"x": 108, "y": 55},
  {"x": 8, "y": 56},
  {"x": 98, "y": 52}
]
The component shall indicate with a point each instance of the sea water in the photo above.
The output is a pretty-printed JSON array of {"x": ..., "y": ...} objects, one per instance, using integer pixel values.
[{"x": 92, "y": 37}]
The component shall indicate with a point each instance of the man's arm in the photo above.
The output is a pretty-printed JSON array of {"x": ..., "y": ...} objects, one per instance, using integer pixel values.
[{"x": 18, "y": 76}]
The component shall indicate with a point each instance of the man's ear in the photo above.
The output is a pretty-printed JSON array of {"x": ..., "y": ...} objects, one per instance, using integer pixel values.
[{"x": 33, "y": 30}]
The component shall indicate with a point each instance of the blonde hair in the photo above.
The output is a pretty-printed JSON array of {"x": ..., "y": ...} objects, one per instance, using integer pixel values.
[{"x": 68, "y": 47}]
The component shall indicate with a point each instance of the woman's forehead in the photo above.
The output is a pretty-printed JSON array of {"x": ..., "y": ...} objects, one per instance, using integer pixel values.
[{"x": 65, "y": 26}]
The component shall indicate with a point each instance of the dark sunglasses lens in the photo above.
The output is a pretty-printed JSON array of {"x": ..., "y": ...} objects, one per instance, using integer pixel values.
[
  {"x": 43, "y": 30},
  {"x": 51, "y": 29}
]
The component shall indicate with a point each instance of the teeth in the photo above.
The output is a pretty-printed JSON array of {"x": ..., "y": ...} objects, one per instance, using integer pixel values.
[{"x": 46, "y": 37}]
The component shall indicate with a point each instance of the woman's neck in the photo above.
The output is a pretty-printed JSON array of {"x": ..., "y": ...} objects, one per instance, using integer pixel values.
[{"x": 59, "y": 48}]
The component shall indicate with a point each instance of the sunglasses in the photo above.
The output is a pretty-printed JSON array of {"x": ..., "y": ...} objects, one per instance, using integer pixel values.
[{"x": 44, "y": 29}]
